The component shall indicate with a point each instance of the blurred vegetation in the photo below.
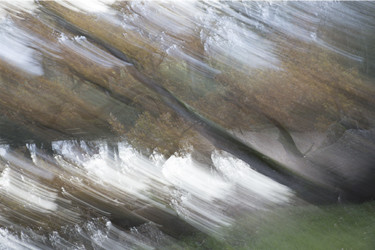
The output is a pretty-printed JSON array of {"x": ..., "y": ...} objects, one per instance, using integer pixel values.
[{"x": 329, "y": 227}]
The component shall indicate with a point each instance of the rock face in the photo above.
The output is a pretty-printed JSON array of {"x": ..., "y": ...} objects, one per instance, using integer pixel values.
[
  {"x": 167, "y": 80},
  {"x": 351, "y": 159}
]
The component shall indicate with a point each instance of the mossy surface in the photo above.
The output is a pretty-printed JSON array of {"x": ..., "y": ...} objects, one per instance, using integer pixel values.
[{"x": 329, "y": 227}]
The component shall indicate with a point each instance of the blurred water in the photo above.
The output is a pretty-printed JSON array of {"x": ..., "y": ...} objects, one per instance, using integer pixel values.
[{"x": 85, "y": 183}]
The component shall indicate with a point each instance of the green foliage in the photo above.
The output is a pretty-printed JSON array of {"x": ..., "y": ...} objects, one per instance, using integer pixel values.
[{"x": 330, "y": 227}]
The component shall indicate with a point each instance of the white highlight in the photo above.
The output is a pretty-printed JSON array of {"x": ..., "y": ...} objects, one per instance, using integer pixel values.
[
  {"x": 15, "y": 50},
  {"x": 197, "y": 193},
  {"x": 95, "y": 6}
]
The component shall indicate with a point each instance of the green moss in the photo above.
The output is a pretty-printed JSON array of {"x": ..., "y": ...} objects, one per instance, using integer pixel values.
[{"x": 331, "y": 227}]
